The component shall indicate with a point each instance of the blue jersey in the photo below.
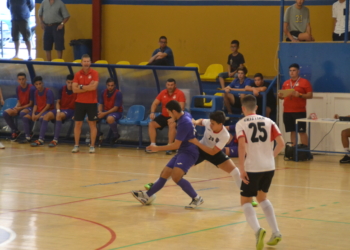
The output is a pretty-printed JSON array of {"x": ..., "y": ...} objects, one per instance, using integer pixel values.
[{"x": 185, "y": 132}]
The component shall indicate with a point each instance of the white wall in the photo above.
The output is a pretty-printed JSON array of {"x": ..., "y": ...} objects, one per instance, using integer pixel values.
[{"x": 325, "y": 105}]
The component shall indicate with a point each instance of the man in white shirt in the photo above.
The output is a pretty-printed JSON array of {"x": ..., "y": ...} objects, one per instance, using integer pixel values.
[
  {"x": 338, "y": 14},
  {"x": 256, "y": 135}
]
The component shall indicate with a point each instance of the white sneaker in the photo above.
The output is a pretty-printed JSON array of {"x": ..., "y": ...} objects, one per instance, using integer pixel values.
[
  {"x": 2, "y": 146},
  {"x": 75, "y": 149},
  {"x": 142, "y": 197},
  {"x": 92, "y": 150},
  {"x": 275, "y": 238},
  {"x": 260, "y": 235},
  {"x": 195, "y": 203}
]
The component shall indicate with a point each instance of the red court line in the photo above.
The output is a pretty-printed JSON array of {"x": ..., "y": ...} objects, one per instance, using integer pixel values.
[{"x": 113, "y": 234}]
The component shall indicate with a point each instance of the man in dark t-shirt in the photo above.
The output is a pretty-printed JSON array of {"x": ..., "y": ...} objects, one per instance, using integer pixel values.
[
  {"x": 234, "y": 61},
  {"x": 258, "y": 86}
]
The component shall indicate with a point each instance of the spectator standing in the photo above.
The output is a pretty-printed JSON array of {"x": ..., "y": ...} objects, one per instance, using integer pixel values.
[
  {"x": 20, "y": 13},
  {"x": 297, "y": 23},
  {"x": 338, "y": 14},
  {"x": 162, "y": 56},
  {"x": 294, "y": 104},
  {"x": 235, "y": 60},
  {"x": 85, "y": 84},
  {"x": 53, "y": 16}
]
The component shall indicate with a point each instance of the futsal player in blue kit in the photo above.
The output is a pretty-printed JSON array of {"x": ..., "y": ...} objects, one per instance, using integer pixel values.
[{"x": 179, "y": 165}]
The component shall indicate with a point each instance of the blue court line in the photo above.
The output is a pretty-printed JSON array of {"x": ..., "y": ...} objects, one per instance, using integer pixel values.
[
  {"x": 206, "y": 189},
  {"x": 110, "y": 183}
]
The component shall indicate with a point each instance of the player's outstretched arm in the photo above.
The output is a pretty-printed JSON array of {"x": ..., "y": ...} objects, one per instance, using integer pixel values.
[
  {"x": 174, "y": 146},
  {"x": 279, "y": 145},
  {"x": 208, "y": 150},
  {"x": 197, "y": 122}
]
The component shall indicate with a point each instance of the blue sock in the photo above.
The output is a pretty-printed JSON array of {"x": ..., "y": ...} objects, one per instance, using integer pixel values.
[
  {"x": 21, "y": 114},
  {"x": 114, "y": 128},
  {"x": 57, "y": 130},
  {"x": 26, "y": 125},
  {"x": 158, "y": 185},
  {"x": 43, "y": 128},
  {"x": 10, "y": 121},
  {"x": 187, "y": 188}
]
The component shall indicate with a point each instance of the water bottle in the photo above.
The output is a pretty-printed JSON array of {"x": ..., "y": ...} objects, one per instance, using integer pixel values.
[{"x": 87, "y": 138}]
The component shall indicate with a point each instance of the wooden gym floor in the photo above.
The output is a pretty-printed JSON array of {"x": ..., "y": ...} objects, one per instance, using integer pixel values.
[{"x": 53, "y": 199}]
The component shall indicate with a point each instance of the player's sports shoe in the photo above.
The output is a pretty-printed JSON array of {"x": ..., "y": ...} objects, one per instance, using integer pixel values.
[
  {"x": 115, "y": 139},
  {"x": 195, "y": 203},
  {"x": 260, "y": 235},
  {"x": 275, "y": 238},
  {"x": 37, "y": 143},
  {"x": 75, "y": 149},
  {"x": 142, "y": 197},
  {"x": 53, "y": 144},
  {"x": 26, "y": 140},
  {"x": 92, "y": 150},
  {"x": 15, "y": 135},
  {"x": 148, "y": 186},
  {"x": 346, "y": 159},
  {"x": 2, "y": 146},
  {"x": 254, "y": 203},
  {"x": 169, "y": 152}
]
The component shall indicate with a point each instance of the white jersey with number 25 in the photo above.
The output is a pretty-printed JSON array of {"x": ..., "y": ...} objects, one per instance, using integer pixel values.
[{"x": 259, "y": 133}]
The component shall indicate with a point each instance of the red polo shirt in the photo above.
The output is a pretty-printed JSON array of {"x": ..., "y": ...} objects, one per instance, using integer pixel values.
[
  {"x": 293, "y": 104},
  {"x": 85, "y": 79},
  {"x": 164, "y": 98}
]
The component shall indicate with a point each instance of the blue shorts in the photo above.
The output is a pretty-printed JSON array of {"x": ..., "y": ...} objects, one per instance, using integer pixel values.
[
  {"x": 42, "y": 115},
  {"x": 183, "y": 161},
  {"x": 30, "y": 110},
  {"x": 68, "y": 112},
  {"x": 115, "y": 115},
  {"x": 233, "y": 147}
]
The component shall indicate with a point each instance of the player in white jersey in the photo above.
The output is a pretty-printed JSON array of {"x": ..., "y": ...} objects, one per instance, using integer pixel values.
[{"x": 256, "y": 135}]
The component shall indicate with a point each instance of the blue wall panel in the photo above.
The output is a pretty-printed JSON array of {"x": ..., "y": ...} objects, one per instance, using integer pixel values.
[{"x": 325, "y": 65}]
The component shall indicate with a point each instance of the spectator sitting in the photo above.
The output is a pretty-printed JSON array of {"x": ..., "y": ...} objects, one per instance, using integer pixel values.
[
  {"x": 259, "y": 85},
  {"x": 25, "y": 98},
  {"x": 294, "y": 104},
  {"x": 43, "y": 103},
  {"x": 110, "y": 108},
  {"x": 237, "y": 84},
  {"x": 20, "y": 12},
  {"x": 163, "y": 120},
  {"x": 297, "y": 23},
  {"x": 64, "y": 111},
  {"x": 338, "y": 14},
  {"x": 345, "y": 135},
  {"x": 234, "y": 61},
  {"x": 162, "y": 56}
]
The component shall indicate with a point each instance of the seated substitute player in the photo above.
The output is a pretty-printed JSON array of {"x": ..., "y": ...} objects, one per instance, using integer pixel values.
[
  {"x": 345, "y": 135},
  {"x": 25, "y": 99},
  {"x": 163, "y": 120},
  {"x": 43, "y": 103},
  {"x": 110, "y": 107},
  {"x": 64, "y": 111},
  {"x": 256, "y": 135},
  {"x": 179, "y": 165}
]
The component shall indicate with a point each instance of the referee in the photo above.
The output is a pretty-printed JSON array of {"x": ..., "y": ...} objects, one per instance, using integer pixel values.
[{"x": 85, "y": 84}]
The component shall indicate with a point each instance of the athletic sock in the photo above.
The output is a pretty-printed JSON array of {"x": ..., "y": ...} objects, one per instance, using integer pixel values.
[
  {"x": 158, "y": 185},
  {"x": 347, "y": 151},
  {"x": 187, "y": 188},
  {"x": 153, "y": 143},
  {"x": 43, "y": 129},
  {"x": 10, "y": 122},
  {"x": 269, "y": 212},
  {"x": 236, "y": 177},
  {"x": 114, "y": 128},
  {"x": 57, "y": 130},
  {"x": 26, "y": 126},
  {"x": 250, "y": 216}
]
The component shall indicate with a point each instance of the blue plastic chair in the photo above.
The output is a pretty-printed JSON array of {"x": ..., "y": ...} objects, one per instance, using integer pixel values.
[
  {"x": 145, "y": 122},
  {"x": 9, "y": 103},
  {"x": 135, "y": 115}
]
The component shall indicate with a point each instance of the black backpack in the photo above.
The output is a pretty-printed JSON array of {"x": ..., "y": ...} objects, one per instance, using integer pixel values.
[{"x": 289, "y": 153}]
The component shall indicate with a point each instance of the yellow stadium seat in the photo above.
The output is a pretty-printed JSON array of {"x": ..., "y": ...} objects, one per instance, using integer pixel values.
[
  {"x": 123, "y": 63},
  {"x": 17, "y": 59},
  {"x": 143, "y": 63},
  {"x": 38, "y": 60},
  {"x": 101, "y": 62},
  {"x": 212, "y": 72},
  {"x": 57, "y": 60},
  {"x": 209, "y": 104},
  {"x": 77, "y": 61},
  {"x": 195, "y": 65}
]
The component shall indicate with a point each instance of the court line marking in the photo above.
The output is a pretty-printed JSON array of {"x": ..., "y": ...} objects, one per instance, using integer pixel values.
[
  {"x": 13, "y": 235},
  {"x": 113, "y": 234},
  {"x": 15, "y": 156},
  {"x": 110, "y": 183}
]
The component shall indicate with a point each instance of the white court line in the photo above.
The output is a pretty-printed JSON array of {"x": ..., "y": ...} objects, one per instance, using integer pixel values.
[
  {"x": 119, "y": 172},
  {"x": 15, "y": 156},
  {"x": 12, "y": 236}
]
